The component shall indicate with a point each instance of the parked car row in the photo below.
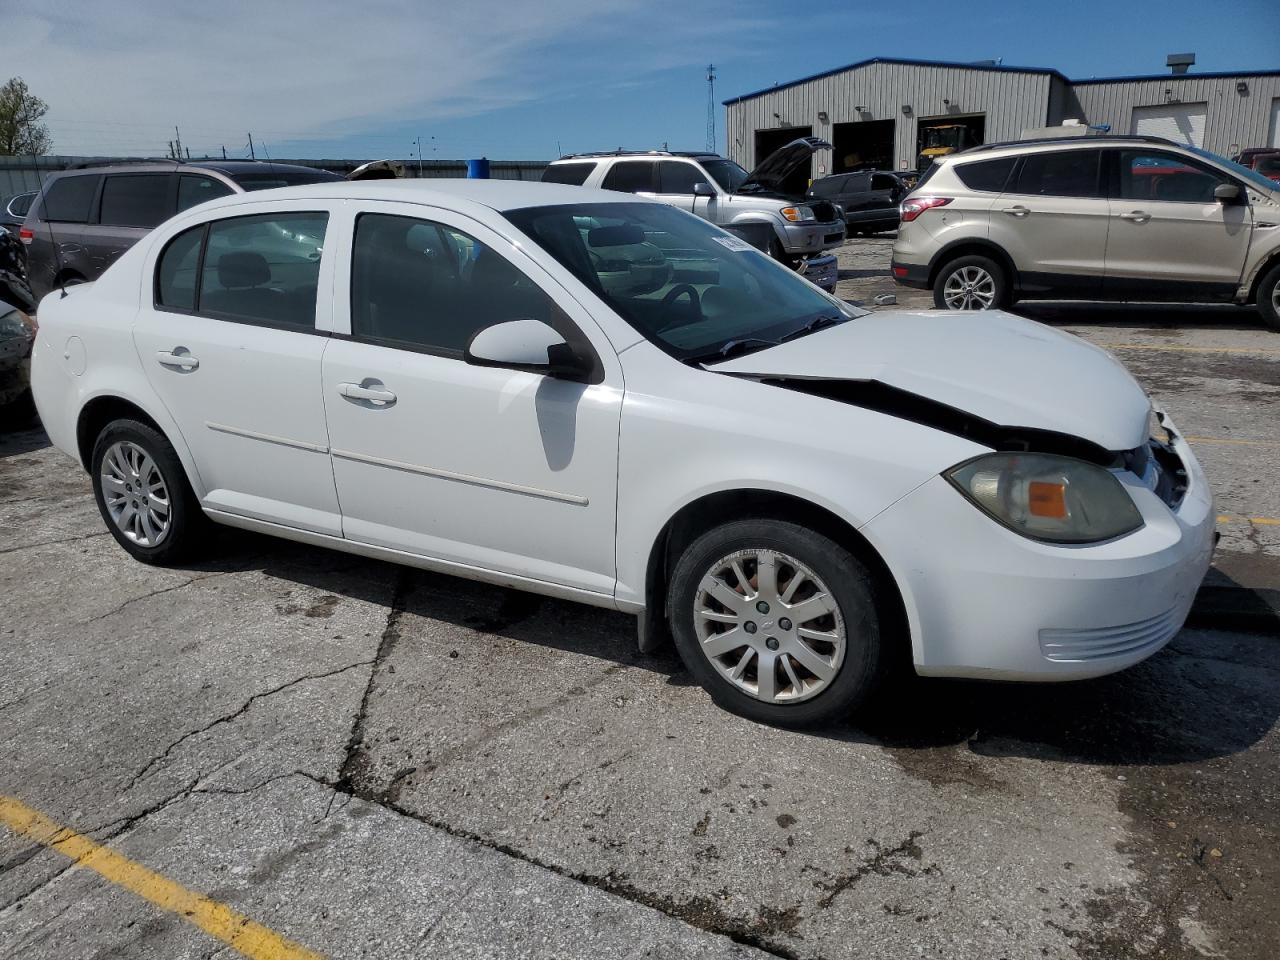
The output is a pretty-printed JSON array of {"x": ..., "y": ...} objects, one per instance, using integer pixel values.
[{"x": 1099, "y": 218}]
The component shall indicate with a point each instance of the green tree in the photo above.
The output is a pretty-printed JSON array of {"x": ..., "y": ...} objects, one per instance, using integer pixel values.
[{"x": 21, "y": 131}]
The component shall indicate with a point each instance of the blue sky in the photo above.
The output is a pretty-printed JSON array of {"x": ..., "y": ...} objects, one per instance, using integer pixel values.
[{"x": 514, "y": 79}]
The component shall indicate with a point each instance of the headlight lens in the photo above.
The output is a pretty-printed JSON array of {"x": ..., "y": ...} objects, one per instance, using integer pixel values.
[
  {"x": 798, "y": 214},
  {"x": 1047, "y": 497}
]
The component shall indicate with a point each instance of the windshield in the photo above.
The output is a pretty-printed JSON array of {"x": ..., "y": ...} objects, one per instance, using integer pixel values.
[
  {"x": 270, "y": 179},
  {"x": 697, "y": 292},
  {"x": 728, "y": 174},
  {"x": 1253, "y": 176}
]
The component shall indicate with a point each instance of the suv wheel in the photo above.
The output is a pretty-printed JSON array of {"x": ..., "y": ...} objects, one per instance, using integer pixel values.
[
  {"x": 971, "y": 283},
  {"x": 777, "y": 622},
  {"x": 1269, "y": 298},
  {"x": 143, "y": 494}
]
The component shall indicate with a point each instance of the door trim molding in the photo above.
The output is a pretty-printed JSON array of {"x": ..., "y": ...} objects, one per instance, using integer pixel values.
[
  {"x": 503, "y": 485},
  {"x": 266, "y": 437}
]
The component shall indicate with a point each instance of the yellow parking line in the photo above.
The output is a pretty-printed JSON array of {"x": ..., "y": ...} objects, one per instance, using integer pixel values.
[
  {"x": 234, "y": 929},
  {"x": 1175, "y": 348},
  {"x": 1247, "y": 443},
  {"x": 1260, "y": 521}
]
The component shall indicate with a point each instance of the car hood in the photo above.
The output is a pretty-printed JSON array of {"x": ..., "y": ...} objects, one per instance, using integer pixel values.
[
  {"x": 1005, "y": 370},
  {"x": 770, "y": 172}
]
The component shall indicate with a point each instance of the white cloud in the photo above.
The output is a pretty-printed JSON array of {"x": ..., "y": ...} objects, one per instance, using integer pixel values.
[{"x": 117, "y": 77}]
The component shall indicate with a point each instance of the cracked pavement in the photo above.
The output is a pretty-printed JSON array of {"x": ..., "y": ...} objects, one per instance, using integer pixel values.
[{"x": 380, "y": 762}]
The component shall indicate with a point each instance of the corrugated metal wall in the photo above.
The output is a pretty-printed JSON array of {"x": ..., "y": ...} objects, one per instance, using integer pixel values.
[
  {"x": 1011, "y": 101},
  {"x": 1234, "y": 121},
  {"x": 20, "y": 174}
]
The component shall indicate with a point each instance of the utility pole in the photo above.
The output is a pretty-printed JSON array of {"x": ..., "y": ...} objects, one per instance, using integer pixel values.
[
  {"x": 252, "y": 155},
  {"x": 224, "y": 151},
  {"x": 711, "y": 108},
  {"x": 177, "y": 143},
  {"x": 418, "y": 141}
]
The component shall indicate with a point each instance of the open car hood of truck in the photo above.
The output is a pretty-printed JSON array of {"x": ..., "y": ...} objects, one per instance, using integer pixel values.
[
  {"x": 770, "y": 173},
  {"x": 937, "y": 367}
]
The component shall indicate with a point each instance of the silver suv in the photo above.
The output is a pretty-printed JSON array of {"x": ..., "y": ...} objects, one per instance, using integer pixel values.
[
  {"x": 765, "y": 206},
  {"x": 1101, "y": 218}
]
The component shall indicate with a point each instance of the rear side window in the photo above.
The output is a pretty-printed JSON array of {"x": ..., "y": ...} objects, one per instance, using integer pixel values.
[
  {"x": 986, "y": 175},
  {"x": 67, "y": 199},
  {"x": 193, "y": 189},
  {"x": 630, "y": 176},
  {"x": 176, "y": 273},
  {"x": 827, "y": 187},
  {"x": 1070, "y": 173},
  {"x": 676, "y": 177},
  {"x": 572, "y": 174},
  {"x": 135, "y": 200}
]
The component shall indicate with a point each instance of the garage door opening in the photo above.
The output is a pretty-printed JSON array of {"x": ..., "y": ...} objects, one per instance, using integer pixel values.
[
  {"x": 862, "y": 146},
  {"x": 942, "y": 136},
  {"x": 767, "y": 141},
  {"x": 1179, "y": 122}
]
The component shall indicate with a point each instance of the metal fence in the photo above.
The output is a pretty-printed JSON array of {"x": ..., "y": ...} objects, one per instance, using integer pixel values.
[{"x": 21, "y": 174}]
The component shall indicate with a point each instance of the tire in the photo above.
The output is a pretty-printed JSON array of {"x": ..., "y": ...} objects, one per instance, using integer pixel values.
[
  {"x": 134, "y": 449},
  {"x": 1269, "y": 298},
  {"x": 986, "y": 274},
  {"x": 853, "y": 669}
]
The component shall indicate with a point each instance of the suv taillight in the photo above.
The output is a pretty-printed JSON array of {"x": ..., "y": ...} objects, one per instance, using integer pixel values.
[
  {"x": 914, "y": 206},
  {"x": 25, "y": 234}
]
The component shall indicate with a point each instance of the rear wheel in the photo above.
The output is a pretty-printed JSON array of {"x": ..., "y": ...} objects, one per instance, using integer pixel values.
[
  {"x": 971, "y": 283},
  {"x": 778, "y": 622},
  {"x": 143, "y": 494},
  {"x": 1269, "y": 298}
]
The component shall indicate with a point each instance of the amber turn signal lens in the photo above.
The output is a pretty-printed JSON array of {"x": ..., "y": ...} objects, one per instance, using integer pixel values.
[{"x": 1047, "y": 499}]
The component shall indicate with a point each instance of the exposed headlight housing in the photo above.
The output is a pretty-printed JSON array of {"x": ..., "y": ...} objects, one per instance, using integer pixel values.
[
  {"x": 1048, "y": 497},
  {"x": 798, "y": 214}
]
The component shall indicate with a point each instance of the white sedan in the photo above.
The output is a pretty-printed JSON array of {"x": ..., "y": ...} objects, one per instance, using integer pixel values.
[{"x": 599, "y": 397}]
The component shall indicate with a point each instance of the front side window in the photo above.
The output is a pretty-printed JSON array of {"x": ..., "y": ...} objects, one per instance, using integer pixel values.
[
  {"x": 177, "y": 271},
  {"x": 135, "y": 200},
  {"x": 1149, "y": 175},
  {"x": 1069, "y": 173},
  {"x": 195, "y": 188},
  {"x": 728, "y": 174},
  {"x": 687, "y": 286},
  {"x": 630, "y": 176},
  {"x": 986, "y": 175},
  {"x": 262, "y": 269},
  {"x": 882, "y": 181},
  {"x": 67, "y": 199},
  {"x": 422, "y": 285},
  {"x": 677, "y": 177},
  {"x": 571, "y": 174}
]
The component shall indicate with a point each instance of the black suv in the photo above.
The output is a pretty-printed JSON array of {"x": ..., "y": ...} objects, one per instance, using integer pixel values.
[
  {"x": 84, "y": 219},
  {"x": 869, "y": 198}
]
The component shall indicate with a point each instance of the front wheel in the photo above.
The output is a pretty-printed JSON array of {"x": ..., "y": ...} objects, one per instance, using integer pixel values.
[
  {"x": 1269, "y": 298},
  {"x": 143, "y": 494},
  {"x": 971, "y": 283},
  {"x": 777, "y": 622}
]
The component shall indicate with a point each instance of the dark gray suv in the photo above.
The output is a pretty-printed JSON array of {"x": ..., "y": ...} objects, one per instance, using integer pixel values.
[{"x": 84, "y": 219}]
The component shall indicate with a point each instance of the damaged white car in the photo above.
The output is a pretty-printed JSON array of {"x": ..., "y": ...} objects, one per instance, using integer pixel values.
[{"x": 610, "y": 400}]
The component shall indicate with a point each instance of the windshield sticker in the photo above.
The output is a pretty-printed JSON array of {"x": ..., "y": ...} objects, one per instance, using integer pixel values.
[{"x": 733, "y": 243}]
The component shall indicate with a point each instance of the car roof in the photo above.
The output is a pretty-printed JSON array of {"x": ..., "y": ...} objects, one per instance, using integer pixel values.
[
  {"x": 230, "y": 168},
  {"x": 1083, "y": 141},
  {"x": 496, "y": 194}
]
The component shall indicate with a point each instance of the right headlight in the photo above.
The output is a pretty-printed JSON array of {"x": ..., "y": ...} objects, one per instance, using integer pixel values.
[{"x": 1047, "y": 497}]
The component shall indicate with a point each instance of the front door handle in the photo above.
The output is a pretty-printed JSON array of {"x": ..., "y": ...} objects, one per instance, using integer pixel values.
[
  {"x": 358, "y": 391},
  {"x": 1018, "y": 211},
  {"x": 1137, "y": 216},
  {"x": 177, "y": 358}
]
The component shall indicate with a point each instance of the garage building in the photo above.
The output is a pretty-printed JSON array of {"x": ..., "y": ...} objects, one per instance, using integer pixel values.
[{"x": 884, "y": 113}]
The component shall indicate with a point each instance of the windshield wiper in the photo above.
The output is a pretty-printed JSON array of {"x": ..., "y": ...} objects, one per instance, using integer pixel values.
[
  {"x": 734, "y": 348},
  {"x": 817, "y": 323}
]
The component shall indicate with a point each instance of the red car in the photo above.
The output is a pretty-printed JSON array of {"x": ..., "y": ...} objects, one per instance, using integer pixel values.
[{"x": 1265, "y": 160}]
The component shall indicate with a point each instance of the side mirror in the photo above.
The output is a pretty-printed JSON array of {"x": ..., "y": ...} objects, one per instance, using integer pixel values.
[
  {"x": 703, "y": 189},
  {"x": 1226, "y": 193},
  {"x": 529, "y": 345}
]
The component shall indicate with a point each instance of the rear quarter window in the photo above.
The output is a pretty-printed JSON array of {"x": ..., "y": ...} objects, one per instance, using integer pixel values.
[
  {"x": 68, "y": 199},
  {"x": 572, "y": 174},
  {"x": 986, "y": 175}
]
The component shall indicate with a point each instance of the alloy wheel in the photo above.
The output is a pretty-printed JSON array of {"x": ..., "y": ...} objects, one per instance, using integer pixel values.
[
  {"x": 769, "y": 625},
  {"x": 136, "y": 495},
  {"x": 969, "y": 288}
]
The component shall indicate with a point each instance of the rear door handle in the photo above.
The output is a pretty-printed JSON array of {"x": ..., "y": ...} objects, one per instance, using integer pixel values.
[
  {"x": 1137, "y": 216},
  {"x": 1018, "y": 211},
  {"x": 180, "y": 360},
  {"x": 358, "y": 391}
]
